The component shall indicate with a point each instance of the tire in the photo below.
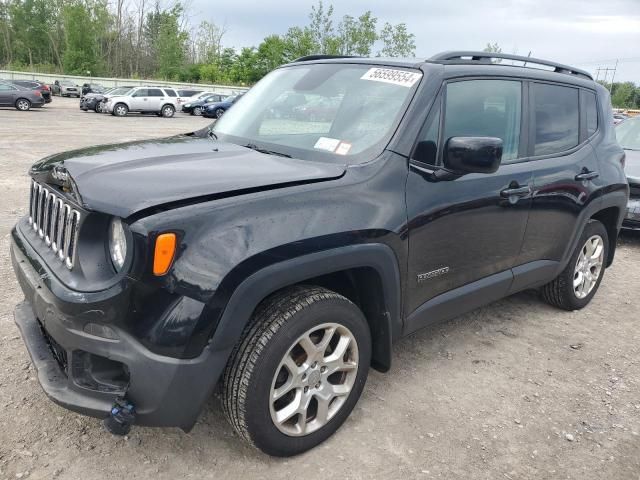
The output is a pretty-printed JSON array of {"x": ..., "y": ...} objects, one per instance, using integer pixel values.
[
  {"x": 120, "y": 110},
  {"x": 256, "y": 369},
  {"x": 23, "y": 104},
  {"x": 168, "y": 111},
  {"x": 562, "y": 292},
  {"x": 197, "y": 111},
  {"x": 218, "y": 112},
  {"x": 98, "y": 108}
]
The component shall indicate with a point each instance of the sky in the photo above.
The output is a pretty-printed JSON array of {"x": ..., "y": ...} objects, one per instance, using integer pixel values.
[{"x": 587, "y": 34}]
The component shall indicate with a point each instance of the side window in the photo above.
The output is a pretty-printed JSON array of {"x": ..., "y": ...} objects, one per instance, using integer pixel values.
[
  {"x": 4, "y": 88},
  {"x": 592, "y": 113},
  {"x": 140, "y": 93},
  {"x": 171, "y": 93},
  {"x": 485, "y": 108},
  {"x": 155, "y": 92},
  {"x": 557, "y": 118}
]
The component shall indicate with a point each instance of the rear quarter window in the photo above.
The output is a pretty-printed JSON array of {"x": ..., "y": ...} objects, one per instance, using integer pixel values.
[{"x": 591, "y": 113}]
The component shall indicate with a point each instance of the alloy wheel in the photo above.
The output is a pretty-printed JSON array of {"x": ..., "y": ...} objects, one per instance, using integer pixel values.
[
  {"x": 314, "y": 379},
  {"x": 23, "y": 105},
  {"x": 588, "y": 266},
  {"x": 197, "y": 111}
]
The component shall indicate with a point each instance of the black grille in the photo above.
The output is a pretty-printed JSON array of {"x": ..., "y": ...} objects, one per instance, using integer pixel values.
[
  {"x": 59, "y": 353},
  {"x": 635, "y": 190}
]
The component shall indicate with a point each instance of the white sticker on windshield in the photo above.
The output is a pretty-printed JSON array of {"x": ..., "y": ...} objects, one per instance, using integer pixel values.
[
  {"x": 326, "y": 143},
  {"x": 390, "y": 75}
]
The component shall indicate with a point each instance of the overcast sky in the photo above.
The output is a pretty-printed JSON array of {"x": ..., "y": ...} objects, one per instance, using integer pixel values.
[{"x": 583, "y": 33}]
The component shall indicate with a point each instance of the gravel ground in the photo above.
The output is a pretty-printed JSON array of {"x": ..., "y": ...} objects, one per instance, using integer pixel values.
[{"x": 514, "y": 390}]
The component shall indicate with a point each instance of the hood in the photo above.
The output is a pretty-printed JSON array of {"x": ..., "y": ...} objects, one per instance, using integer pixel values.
[
  {"x": 632, "y": 166},
  {"x": 126, "y": 178}
]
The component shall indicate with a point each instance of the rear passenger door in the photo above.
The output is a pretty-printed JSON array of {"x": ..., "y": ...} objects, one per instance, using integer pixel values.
[
  {"x": 155, "y": 100},
  {"x": 564, "y": 167},
  {"x": 7, "y": 94}
]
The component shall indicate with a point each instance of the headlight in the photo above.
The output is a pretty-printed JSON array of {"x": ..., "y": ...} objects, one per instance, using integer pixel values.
[
  {"x": 117, "y": 243},
  {"x": 188, "y": 105}
]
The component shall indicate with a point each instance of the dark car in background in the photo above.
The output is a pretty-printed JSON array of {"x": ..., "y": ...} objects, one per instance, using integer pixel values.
[
  {"x": 216, "y": 110},
  {"x": 43, "y": 88},
  {"x": 94, "y": 101},
  {"x": 195, "y": 107},
  {"x": 92, "y": 88},
  {"x": 628, "y": 133},
  {"x": 22, "y": 98},
  {"x": 619, "y": 118}
]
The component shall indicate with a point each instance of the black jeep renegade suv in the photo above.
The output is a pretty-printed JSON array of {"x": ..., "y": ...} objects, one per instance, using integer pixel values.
[{"x": 341, "y": 204}]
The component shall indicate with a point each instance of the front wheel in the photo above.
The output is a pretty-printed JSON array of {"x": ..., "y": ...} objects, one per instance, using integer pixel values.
[
  {"x": 574, "y": 288},
  {"x": 120, "y": 110},
  {"x": 197, "y": 111},
  {"x": 299, "y": 371},
  {"x": 218, "y": 112}
]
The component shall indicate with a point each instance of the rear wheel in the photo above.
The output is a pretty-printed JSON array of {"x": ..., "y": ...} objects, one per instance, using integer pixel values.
[
  {"x": 574, "y": 288},
  {"x": 168, "y": 111},
  {"x": 23, "y": 104},
  {"x": 120, "y": 110},
  {"x": 299, "y": 371}
]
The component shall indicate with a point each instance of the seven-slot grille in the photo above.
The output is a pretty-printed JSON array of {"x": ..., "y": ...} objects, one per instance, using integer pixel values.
[{"x": 55, "y": 221}]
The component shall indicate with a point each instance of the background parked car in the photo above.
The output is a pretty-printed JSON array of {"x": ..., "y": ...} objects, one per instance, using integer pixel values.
[
  {"x": 216, "y": 110},
  {"x": 197, "y": 104},
  {"x": 185, "y": 94},
  {"x": 158, "y": 100},
  {"x": 94, "y": 101},
  {"x": 43, "y": 88},
  {"x": 66, "y": 88},
  {"x": 22, "y": 98},
  {"x": 92, "y": 88},
  {"x": 619, "y": 118},
  {"x": 628, "y": 134}
]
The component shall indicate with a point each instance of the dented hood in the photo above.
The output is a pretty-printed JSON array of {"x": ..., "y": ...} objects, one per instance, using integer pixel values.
[{"x": 127, "y": 178}]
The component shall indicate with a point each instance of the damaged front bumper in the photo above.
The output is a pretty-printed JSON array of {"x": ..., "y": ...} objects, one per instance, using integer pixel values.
[{"x": 84, "y": 364}]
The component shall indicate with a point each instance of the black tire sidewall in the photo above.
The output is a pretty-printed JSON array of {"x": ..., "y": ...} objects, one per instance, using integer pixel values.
[
  {"x": 263, "y": 432},
  {"x": 592, "y": 228}
]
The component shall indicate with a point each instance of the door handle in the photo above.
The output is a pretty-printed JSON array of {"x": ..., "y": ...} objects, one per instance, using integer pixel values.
[
  {"x": 586, "y": 175},
  {"x": 516, "y": 191}
]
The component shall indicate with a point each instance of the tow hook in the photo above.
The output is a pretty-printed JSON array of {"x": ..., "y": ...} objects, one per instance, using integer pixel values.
[{"x": 121, "y": 417}]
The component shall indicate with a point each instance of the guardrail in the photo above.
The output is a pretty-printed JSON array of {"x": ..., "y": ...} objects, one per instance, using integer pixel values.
[{"x": 114, "y": 82}]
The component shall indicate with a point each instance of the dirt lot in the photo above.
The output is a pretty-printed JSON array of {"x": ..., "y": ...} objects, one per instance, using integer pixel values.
[{"x": 511, "y": 391}]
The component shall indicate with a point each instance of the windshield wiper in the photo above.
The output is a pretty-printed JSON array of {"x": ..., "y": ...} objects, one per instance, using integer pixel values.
[{"x": 263, "y": 150}]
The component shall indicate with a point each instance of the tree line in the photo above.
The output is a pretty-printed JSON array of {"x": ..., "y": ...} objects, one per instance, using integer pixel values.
[{"x": 152, "y": 39}]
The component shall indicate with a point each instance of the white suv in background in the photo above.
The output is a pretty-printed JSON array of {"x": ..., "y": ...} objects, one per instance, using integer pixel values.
[{"x": 159, "y": 100}]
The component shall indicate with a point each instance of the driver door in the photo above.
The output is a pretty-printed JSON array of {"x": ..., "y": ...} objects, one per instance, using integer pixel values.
[
  {"x": 465, "y": 233},
  {"x": 139, "y": 100}
]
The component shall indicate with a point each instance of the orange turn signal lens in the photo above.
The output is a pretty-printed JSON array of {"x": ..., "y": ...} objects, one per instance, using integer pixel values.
[{"x": 164, "y": 252}]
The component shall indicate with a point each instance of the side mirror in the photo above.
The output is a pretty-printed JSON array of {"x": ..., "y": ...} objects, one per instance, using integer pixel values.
[{"x": 473, "y": 154}]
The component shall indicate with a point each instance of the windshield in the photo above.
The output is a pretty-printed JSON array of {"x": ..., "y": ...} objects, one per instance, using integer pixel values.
[
  {"x": 628, "y": 134},
  {"x": 321, "y": 111},
  {"x": 119, "y": 91}
]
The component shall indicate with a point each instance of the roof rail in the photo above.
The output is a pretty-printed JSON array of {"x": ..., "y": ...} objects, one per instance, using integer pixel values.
[
  {"x": 322, "y": 57},
  {"x": 485, "y": 57}
]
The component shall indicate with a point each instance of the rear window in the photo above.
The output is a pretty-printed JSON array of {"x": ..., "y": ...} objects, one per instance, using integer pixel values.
[{"x": 557, "y": 118}]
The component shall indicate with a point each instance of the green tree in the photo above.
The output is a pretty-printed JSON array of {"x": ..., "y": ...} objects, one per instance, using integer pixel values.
[
  {"x": 299, "y": 42},
  {"x": 397, "y": 41},
  {"x": 82, "y": 25},
  {"x": 357, "y": 36},
  {"x": 623, "y": 95}
]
